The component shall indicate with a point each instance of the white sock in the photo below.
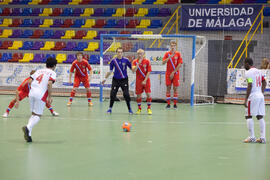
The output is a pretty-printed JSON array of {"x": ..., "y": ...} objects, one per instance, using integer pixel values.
[
  {"x": 32, "y": 122},
  {"x": 250, "y": 126},
  {"x": 262, "y": 127}
]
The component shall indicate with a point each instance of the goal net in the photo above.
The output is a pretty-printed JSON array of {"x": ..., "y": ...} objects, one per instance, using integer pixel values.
[{"x": 193, "y": 72}]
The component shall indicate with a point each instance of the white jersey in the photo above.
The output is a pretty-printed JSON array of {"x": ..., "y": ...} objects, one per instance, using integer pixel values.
[
  {"x": 39, "y": 85},
  {"x": 255, "y": 76}
]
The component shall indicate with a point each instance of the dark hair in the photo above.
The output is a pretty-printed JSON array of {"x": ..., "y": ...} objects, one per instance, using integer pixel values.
[
  {"x": 51, "y": 62},
  {"x": 118, "y": 48},
  {"x": 249, "y": 61},
  {"x": 78, "y": 53}
]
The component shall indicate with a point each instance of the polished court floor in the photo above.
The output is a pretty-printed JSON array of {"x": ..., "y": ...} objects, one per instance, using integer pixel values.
[{"x": 200, "y": 143}]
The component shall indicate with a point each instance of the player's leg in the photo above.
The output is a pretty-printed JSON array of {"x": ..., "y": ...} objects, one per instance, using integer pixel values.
[
  {"x": 114, "y": 90},
  {"x": 54, "y": 113},
  {"x": 125, "y": 88},
  {"x": 250, "y": 124},
  {"x": 37, "y": 107},
  {"x": 88, "y": 91},
  {"x": 73, "y": 91},
  {"x": 148, "y": 97},
  {"x": 175, "y": 90},
  {"x": 168, "y": 90},
  {"x": 149, "y": 101},
  {"x": 22, "y": 95},
  {"x": 261, "y": 112},
  {"x": 139, "y": 102}
]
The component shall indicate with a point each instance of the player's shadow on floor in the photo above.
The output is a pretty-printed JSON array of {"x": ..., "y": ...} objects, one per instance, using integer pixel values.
[{"x": 19, "y": 141}]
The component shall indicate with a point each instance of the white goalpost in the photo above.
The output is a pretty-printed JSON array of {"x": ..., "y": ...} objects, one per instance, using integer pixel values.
[{"x": 193, "y": 72}]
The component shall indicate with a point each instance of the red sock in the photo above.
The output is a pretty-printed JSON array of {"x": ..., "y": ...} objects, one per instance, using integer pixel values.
[
  {"x": 175, "y": 98},
  {"x": 88, "y": 94},
  {"x": 139, "y": 101},
  {"x": 49, "y": 107},
  {"x": 149, "y": 100},
  {"x": 168, "y": 98},
  {"x": 11, "y": 105},
  {"x": 72, "y": 94}
]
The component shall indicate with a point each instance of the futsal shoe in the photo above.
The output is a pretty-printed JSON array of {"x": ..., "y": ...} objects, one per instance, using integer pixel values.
[
  {"x": 26, "y": 134},
  {"x": 250, "y": 140},
  {"x": 5, "y": 115},
  {"x": 69, "y": 103},
  {"x": 168, "y": 106},
  {"x": 109, "y": 111},
  {"x": 55, "y": 113},
  {"x": 261, "y": 140},
  {"x": 149, "y": 111},
  {"x": 130, "y": 111},
  {"x": 175, "y": 106},
  {"x": 90, "y": 104},
  {"x": 138, "y": 111}
]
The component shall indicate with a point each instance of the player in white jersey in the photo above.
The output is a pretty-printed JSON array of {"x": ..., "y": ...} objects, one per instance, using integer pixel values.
[
  {"x": 41, "y": 89},
  {"x": 254, "y": 101}
]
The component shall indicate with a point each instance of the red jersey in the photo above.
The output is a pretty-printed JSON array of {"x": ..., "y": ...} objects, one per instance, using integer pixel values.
[
  {"x": 173, "y": 62},
  {"x": 81, "y": 68},
  {"x": 24, "y": 86},
  {"x": 144, "y": 68}
]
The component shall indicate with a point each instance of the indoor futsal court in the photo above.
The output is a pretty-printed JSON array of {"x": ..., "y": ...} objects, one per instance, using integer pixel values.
[{"x": 201, "y": 142}]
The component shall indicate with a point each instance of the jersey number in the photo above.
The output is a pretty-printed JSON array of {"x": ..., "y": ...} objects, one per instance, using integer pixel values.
[
  {"x": 39, "y": 78},
  {"x": 258, "y": 81}
]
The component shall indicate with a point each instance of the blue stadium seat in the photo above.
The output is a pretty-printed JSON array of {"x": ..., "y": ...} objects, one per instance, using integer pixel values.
[
  {"x": 94, "y": 59},
  {"x": 78, "y": 23},
  {"x": 27, "y": 45},
  {"x": 111, "y": 23},
  {"x": 81, "y": 46},
  {"x": 149, "y": 2},
  {"x": 67, "y": 12},
  {"x": 266, "y": 11},
  {"x": 27, "y": 12},
  {"x": 55, "y": 2},
  {"x": 27, "y": 33},
  {"x": 156, "y": 23},
  {"x": 6, "y": 57},
  {"x": 152, "y": 12},
  {"x": 109, "y": 12},
  {"x": 27, "y": 23},
  {"x": 47, "y": 34}
]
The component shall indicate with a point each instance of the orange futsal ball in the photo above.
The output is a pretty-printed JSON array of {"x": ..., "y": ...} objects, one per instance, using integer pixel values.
[{"x": 126, "y": 126}]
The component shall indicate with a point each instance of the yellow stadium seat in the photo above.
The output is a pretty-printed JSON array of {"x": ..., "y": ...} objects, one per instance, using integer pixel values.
[
  {"x": 47, "y": 23},
  {"x": 61, "y": 57},
  {"x": 46, "y": 12},
  {"x": 6, "y": 23},
  {"x": 138, "y": 2},
  {"x": 114, "y": 46},
  {"x": 148, "y": 32},
  {"x": 225, "y": 2},
  {"x": 5, "y": 2},
  {"x": 69, "y": 34},
  {"x": 48, "y": 45},
  {"x": 142, "y": 12},
  {"x": 90, "y": 35},
  {"x": 88, "y": 12},
  {"x": 16, "y": 45},
  {"x": 75, "y": 2},
  {"x": 268, "y": 2},
  {"x": 6, "y": 33},
  {"x": 27, "y": 57},
  {"x": 144, "y": 23},
  {"x": 119, "y": 12},
  {"x": 89, "y": 23},
  {"x": 92, "y": 46},
  {"x": 35, "y": 2},
  {"x": 160, "y": 2}
]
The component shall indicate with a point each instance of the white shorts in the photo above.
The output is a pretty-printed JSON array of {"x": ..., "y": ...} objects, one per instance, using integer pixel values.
[
  {"x": 255, "y": 107},
  {"x": 36, "y": 105}
]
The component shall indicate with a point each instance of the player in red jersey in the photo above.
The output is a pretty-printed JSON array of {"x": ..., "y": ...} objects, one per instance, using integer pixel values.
[
  {"x": 21, "y": 93},
  {"x": 142, "y": 67},
  {"x": 80, "y": 65},
  {"x": 174, "y": 61}
]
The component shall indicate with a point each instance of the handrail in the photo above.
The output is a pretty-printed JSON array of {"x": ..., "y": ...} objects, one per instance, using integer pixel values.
[
  {"x": 177, "y": 17},
  {"x": 246, "y": 39}
]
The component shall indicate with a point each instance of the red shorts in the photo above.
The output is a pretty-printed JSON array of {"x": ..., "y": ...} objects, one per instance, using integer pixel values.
[
  {"x": 78, "y": 80},
  {"x": 140, "y": 87},
  {"x": 22, "y": 95},
  {"x": 174, "y": 81}
]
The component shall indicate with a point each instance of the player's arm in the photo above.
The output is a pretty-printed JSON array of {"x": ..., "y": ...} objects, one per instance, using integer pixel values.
[
  {"x": 263, "y": 84},
  {"x": 70, "y": 76},
  {"x": 166, "y": 59},
  {"x": 50, "y": 92},
  {"x": 71, "y": 71},
  {"x": 249, "y": 80},
  {"x": 146, "y": 77},
  {"x": 134, "y": 66},
  {"x": 108, "y": 73}
]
